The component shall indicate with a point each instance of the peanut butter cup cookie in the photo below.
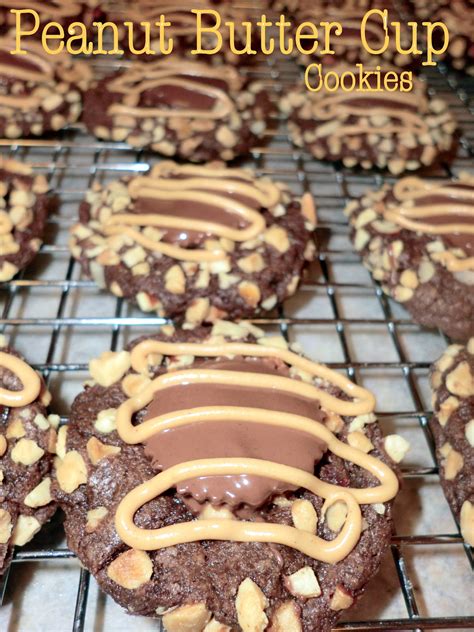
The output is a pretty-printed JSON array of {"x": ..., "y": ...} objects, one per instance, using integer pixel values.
[
  {"x": 39, "y": 93},
  {"x": 180, "y": 108},
  {"x": 27, "y": 445},
  {"x": 417, "y": 239},
  {"x": 252, "y": 491},
  {"x": 24, "y": 206},
  {"x": 196, "y": 242},
  {"x": 400, "y": 131},
  {"x": 452, "y": 425}
]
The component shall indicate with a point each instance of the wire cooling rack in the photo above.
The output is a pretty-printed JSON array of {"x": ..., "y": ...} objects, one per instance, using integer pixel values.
[{"x": 340, "y": 316}]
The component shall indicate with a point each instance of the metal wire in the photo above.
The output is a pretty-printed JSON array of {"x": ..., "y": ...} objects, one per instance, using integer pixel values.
[{"x": 70, "y": 154}]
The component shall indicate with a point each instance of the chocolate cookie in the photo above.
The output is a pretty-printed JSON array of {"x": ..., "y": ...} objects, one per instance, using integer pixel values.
[
  {"x": 196, "y": 242},
  {"x": 396, "y": 130},
  {"x": 179, "y": 108},
  {"x": 27, "y": 445},
  {"x": 417, "y": 239},
  {"x": 183, "y": 30},
  {"x": 39, "y": 93},
  {"x": 459, "y": 19},
  {"x": 452, "y": 425},
  {"x": 24, "y": 207},
  {"x": 215, "y": 515},
  {"x": 63, "y": 12}
]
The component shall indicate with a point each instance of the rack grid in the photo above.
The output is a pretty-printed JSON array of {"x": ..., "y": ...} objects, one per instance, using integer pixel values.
[{"x": 340, "y": 315}]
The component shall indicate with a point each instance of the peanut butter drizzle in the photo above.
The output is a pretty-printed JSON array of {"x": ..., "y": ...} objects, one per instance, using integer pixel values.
[
  {"x": 335, "y": 105},
  {"x": 224, "y": 529},
  {"x": 159, "y": 186},
  {"x": 37, "y": 57},
  {"x": 28, "y": 377},
  {"x": 45, "y": 64},
  {"x": 142, "y": 77},
  {"x": 411, "y": 215}
]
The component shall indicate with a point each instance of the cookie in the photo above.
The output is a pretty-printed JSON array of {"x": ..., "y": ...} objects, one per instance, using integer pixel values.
[
  {"x": 196, "y": 243},
  {"x": 459, "y": 19},
  {"x": 24, "y": 206},
  {"x": 39, "y": 93},
  {"x": 452, "y": 425},
  {"x": 179, "y": 108},
  {"x": 232, "y": 517},
  {"x": 183, "y": 29},
  {"x": 63, "y": 12},
  {"x": 27, "y": 444},
  {"x": 400, "y": 131},
  {"x": 417, "y": 239}
]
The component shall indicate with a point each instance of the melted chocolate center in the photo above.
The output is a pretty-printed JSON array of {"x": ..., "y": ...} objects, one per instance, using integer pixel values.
[
  {"x": 194, "y": 210},
  {"x": 233, "y": 439}
]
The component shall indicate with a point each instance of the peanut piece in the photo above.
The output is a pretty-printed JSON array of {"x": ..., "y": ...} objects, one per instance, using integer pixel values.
[
  {"x": 6, "y": 526},
  {"x": 304, "y": 516},
  {"x": 109, "y": 367},
  {"x": 40, "y": 495},
  {"x": 460, "y": 381},
  {"x": 250, "y": 604},
  {"x": 131, "y": 569},
  {"x": 95, "y": 517},
  {"x": 286, "y": 618},
  {"x": 336, "y": 516},
  {"x": 303, "y": 583},
  {"x": 25, "y": 529},
  {"x": 71, "y": 472},
  {"x": 188, "y": 618},
  {"x": 341, "y": 599},
  {"x": 467, "y": 522},
  {"x": 97, "y": 450},
  {"x": 26, "y": 452},
  {"x": 396, "y": 447}
]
